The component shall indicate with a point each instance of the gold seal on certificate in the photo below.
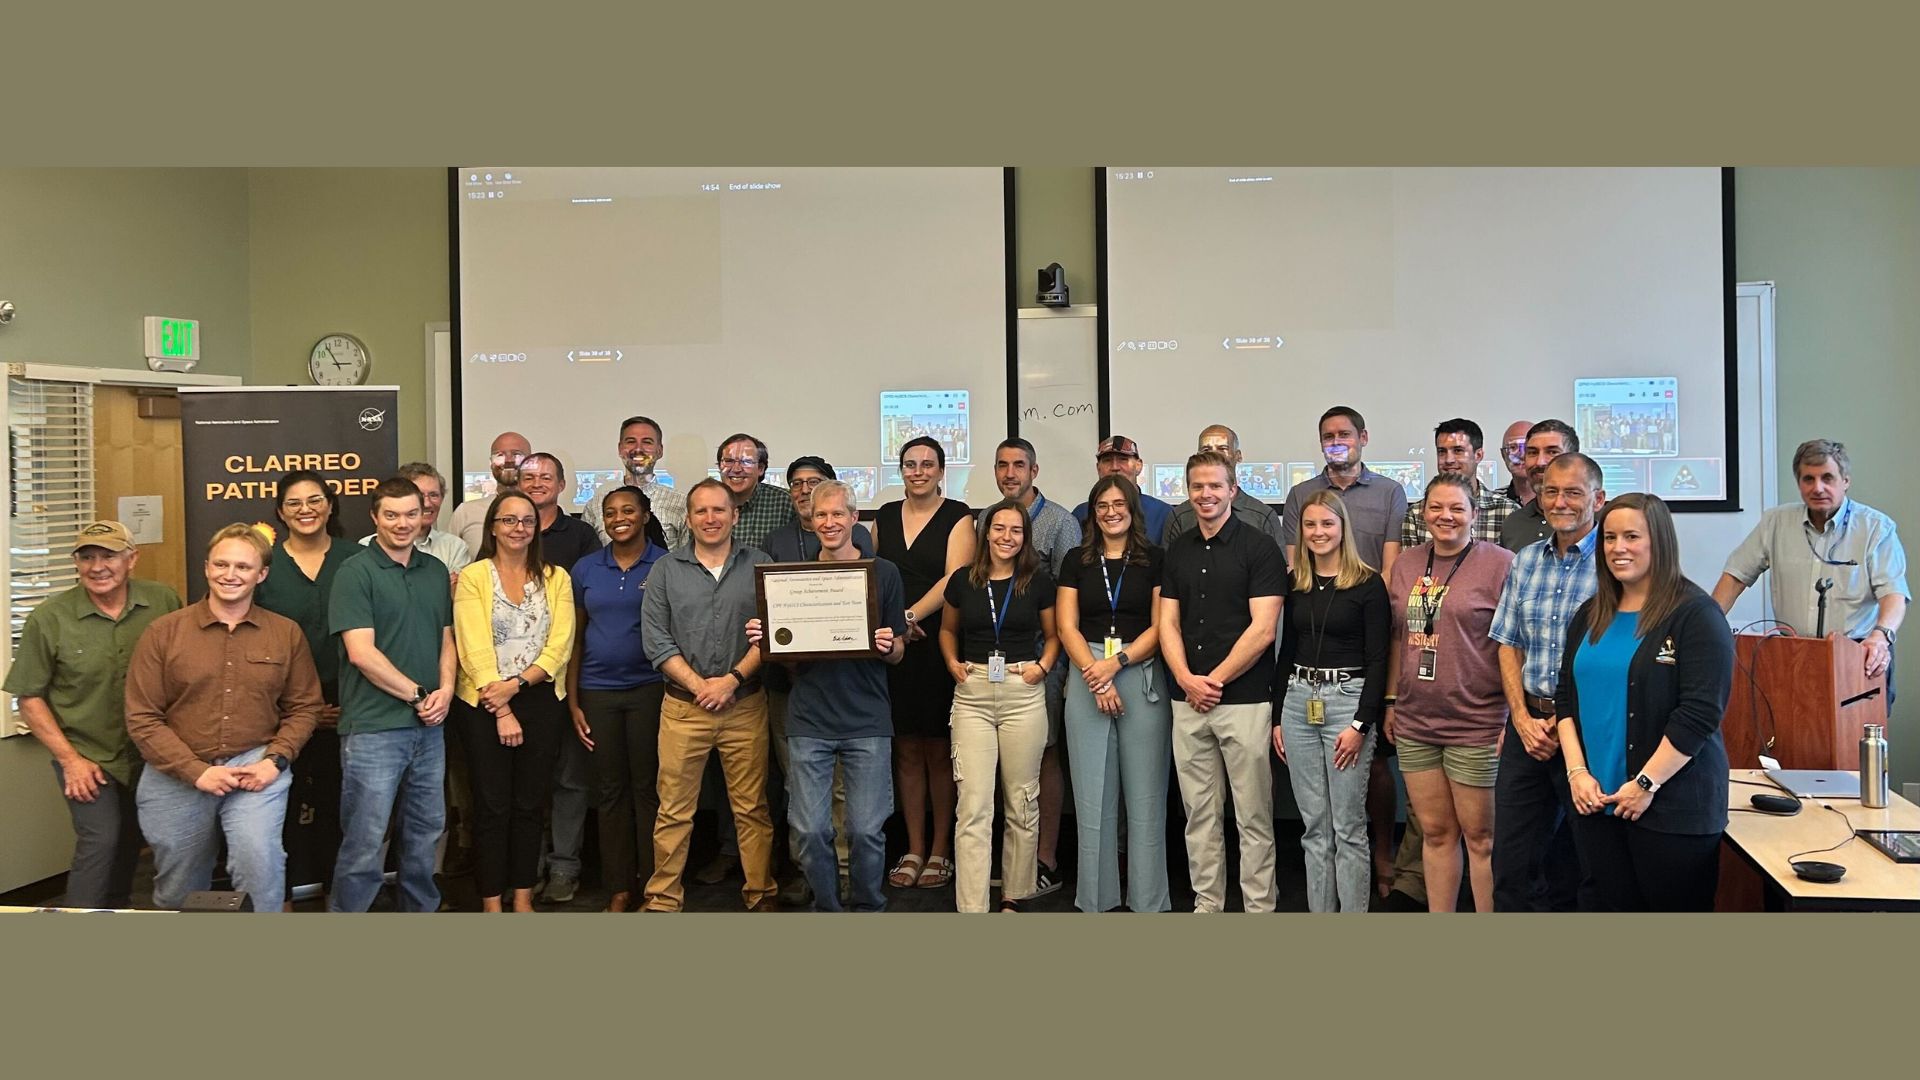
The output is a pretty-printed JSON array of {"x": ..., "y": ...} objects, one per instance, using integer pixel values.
[{"x": 817, "y": 610}]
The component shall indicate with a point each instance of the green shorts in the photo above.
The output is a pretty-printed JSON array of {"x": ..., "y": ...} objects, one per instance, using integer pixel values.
[{"x": 1474, "y": 766}]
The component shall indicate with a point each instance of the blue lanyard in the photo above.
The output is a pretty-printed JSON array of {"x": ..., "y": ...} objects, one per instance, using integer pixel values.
[
  {"x": 1113, "y": 595},
  {"x": 998, "y": 613}
]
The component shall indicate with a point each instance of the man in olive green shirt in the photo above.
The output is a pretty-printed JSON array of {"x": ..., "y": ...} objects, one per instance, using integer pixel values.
[{"x": 70, "y": 674}]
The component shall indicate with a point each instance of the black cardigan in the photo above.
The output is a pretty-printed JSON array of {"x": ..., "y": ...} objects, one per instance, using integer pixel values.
[{"x": 1677, "y": 687}]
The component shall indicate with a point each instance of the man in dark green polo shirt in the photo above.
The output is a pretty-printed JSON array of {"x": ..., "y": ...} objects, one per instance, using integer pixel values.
[
  {"x": 70, "y": 674},
  {"x": 394, "y": 615}
]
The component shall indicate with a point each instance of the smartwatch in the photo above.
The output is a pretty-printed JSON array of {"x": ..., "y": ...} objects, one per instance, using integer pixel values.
[
  {"x": 279, "y": 761},
  {"x": 1122, "y": 657},
  {"x": 419, "y": 695},
  {"x": 739, "y": 678},
  {"x": 522, "y": 680},
  {"x": 1647, "y": 783},
  {"x": 1359, "y": 726}
]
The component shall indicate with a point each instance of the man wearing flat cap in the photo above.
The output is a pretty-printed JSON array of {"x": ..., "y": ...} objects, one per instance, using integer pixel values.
[{"x": 70, "y": 674}]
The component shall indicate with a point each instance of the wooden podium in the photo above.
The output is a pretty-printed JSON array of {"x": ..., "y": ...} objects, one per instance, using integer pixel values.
[{"x": 1811, "y": 696}]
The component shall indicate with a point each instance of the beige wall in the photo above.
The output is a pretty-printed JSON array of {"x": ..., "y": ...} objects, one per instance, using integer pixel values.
[
  {"x": 87, "y": 253},
  {"x": 359, "y": 251},
  {"x": 1843, "y": 245}
]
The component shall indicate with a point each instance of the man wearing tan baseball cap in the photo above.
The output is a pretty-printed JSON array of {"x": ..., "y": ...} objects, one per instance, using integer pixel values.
[{"x": 70, "y": 675}]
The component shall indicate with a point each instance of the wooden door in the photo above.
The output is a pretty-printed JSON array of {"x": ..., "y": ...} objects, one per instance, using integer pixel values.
[{"x": 140, "y": 455}]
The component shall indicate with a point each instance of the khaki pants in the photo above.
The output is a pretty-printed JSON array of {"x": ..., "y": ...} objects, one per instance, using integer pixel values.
[
  {"x": 687, "y": 734},
  {"x": 1213, "y": 751},
  {"x": 1004, "y": 725}
]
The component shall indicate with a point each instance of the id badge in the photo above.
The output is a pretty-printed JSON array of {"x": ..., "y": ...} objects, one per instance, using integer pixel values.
[
  {"x": 1429, "y": 660},
  {"x": 996, "y": 666},
  {"x": 1113, "y": 647},
  {"x": 1316, "y": 711}
]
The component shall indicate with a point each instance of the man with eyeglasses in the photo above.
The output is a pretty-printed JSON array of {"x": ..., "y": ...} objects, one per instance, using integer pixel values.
[
  {"x": 448, "y": 547},
  {"x": 1513, "y": 455},
  {"x": 763, "y": 507},
  {"x": 469, "y": 519},
  {"x": 1827, "y": 545},
  {"x": 564, "y": 540},
  {"x": 641, "y": 445}
]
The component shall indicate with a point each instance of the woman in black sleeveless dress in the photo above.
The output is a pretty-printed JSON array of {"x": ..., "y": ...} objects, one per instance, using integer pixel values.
[{"x": 927, "y": 536}]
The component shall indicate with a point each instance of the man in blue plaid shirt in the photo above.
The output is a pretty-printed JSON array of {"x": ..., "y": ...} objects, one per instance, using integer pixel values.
[{"x": 1534, "y": 865}]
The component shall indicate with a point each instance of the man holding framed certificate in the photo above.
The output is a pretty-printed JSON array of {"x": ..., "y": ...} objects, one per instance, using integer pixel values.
[{"x": 838, "y": 621}]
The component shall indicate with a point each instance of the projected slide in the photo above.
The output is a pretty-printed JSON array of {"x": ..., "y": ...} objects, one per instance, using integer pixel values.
[
  {"x": 1257, "y": 297},
  {"x": 825, "y": 311}
]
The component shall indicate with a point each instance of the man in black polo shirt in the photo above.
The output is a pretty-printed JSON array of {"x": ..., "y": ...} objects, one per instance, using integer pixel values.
[{"x": 1220, "y": 593}]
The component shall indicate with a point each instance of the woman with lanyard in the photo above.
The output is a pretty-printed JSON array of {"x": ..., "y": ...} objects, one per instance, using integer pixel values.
[
  {"x": 1643, "y": 687},
  {"x": 614, "y": 694},
  {"x": 1447, "y": 711},
  {"x": 1332, "y": 685},
  {"x": 928, "y": 536},
  {"x": 1000, "y": 610},
  {"x": 301, "y": 580},
  {"x": 513, "y": 628},
  {"x": 1119, "y": 718}
]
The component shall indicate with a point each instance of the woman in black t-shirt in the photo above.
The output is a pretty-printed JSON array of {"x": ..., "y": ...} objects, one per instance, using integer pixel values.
[
  {"x": 1119, "y": 718},
  {"x": 1329, "y": 696},
  {"x": 999, "y": 643}
]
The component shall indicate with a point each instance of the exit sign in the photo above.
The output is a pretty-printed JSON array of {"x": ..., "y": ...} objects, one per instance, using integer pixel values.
[{"x": 172, "y": 339}]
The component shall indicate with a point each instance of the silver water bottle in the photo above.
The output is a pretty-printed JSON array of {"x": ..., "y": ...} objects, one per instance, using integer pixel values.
[{"x": 1873, "y": 766}]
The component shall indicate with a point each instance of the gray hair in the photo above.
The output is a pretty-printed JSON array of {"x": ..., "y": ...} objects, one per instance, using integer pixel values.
[{"x": 1815, "y": 451}]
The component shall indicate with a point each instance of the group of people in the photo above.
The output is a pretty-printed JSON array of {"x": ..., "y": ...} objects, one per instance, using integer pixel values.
[{"x": 1532, "y": 655}]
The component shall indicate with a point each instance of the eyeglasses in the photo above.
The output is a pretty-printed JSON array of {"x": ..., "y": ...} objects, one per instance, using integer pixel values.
[
  {"x": 503, "y": 457},
  {"x": 312, "y": 502},
  {"x": 807, "y": 485},
  {"x": 517, "y": 522},
  {"x": 739, "y": 464}
]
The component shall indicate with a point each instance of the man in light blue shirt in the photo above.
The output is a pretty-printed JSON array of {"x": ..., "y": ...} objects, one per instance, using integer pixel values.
[
  {"x": 1534, "y": 864},
  {"x": 1833, "y": 545}
]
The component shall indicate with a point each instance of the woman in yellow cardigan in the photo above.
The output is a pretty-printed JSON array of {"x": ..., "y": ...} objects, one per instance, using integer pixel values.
[{"x": 513, "y": 627}]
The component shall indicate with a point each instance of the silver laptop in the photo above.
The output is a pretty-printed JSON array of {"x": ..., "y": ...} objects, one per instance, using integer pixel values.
[{"x": 1818, "y": 783}]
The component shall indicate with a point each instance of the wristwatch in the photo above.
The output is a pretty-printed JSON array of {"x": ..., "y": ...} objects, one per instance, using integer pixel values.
[
  {"x": 279, "y": 761},
  {"x": 1122, "y": 657},
  {"x": 522, "y": 680},
  {"x": 1887, "y": 630},
  {"x": 1647, "y": 783},
  {"x": 419, "y": 695},
  {"x": 1359, "y": 726}
]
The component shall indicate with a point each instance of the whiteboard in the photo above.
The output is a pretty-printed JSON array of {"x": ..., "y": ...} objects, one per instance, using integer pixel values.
[
  {"x": 1059, "y": 397},
  {"x": 1707, "y": 539}
]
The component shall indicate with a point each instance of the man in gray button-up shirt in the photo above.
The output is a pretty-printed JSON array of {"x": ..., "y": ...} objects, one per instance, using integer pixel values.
[
  {"x": 694, "y": 621},
  {"x": 1828, "y": 538}
]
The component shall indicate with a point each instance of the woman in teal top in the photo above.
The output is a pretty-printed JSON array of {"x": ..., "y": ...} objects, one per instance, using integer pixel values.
[{"x": 299, "y": 579}]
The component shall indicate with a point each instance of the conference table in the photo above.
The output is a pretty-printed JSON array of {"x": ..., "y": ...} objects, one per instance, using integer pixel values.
[{"x": 1874, "y": 882}]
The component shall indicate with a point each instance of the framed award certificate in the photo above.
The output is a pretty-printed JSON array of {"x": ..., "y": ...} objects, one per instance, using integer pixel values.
[{"x": 817, "y": 610}]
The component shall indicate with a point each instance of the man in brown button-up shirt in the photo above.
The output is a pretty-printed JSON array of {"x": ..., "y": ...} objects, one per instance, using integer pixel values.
[{"x": 220, "y": 698}]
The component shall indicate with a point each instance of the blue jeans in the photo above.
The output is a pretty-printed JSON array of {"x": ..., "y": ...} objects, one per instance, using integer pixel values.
[
  {"x": 184, "y": 825},
  {"x": 1134, "y": 754},
  {"x": 868, "y": 765},
  {"x": 382, "y": 771},
  {"x": 1333, "y": 802}
]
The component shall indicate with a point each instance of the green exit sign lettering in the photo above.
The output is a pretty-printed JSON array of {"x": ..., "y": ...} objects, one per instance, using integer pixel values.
[{"x": 172, "y": 339}]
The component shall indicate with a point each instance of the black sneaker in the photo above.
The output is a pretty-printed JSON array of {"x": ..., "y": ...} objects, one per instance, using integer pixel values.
[{"x": 1047, "y": 880}]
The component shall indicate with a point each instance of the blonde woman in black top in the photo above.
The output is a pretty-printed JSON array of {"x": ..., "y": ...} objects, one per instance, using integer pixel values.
[{"x": 1328, "y": 698}]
